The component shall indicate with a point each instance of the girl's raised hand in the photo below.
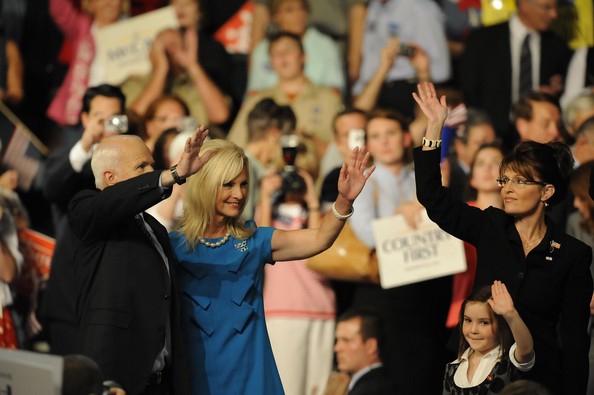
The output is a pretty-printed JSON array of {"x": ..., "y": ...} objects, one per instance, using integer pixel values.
[
  {"x": 353, "y": 174},
  {"x": 434, "y": 108},
  {"x": 501, "y": 301}
]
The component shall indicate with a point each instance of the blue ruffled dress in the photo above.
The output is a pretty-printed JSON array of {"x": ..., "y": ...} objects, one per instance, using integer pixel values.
[{"x": 222, "y": 313}]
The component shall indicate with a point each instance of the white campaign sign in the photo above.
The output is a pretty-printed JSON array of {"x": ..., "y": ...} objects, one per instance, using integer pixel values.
[
  {"x": 407, "y": 255},
  {"x": 123, "y": 47}
]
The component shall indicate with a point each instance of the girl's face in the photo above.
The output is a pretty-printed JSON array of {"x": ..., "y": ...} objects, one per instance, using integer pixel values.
[
  {"x": 231, "y": 196},
  {"x": 386, "y": 141},
  {"x": 486, "y": 170},
  {"x": 521, "y": 200},
  {"x": 105, "y": 12},
  {"x": 187, "y": 11},
  {"x": 478, "y": 329}
]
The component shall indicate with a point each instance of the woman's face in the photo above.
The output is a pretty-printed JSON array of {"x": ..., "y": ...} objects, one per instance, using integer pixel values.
[
  {"x": 291, "y": 16},
  {"x": 486, "y": 170},
  {"x": 187, "y": 11},
  {"x": 386, "y": 141},
  {"x": 521, "y": 200},
  {"x": 169, "y": 114},
  {"x": 232, "y": 195},
  {"x": 105, "y": 12}
]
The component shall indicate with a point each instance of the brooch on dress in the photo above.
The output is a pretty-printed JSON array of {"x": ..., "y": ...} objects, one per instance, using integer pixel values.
[{"x": 241, "y": 246}]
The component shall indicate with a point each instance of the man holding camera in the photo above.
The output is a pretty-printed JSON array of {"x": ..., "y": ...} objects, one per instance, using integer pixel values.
[{"x": 67, "y": 171}]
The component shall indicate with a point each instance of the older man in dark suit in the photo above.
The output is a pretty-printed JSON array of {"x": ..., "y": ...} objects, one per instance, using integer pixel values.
[
  {"x": 68, "y": 171},
  {"x": 501, "y": 63},
  {"x": 127, "y": 304}
]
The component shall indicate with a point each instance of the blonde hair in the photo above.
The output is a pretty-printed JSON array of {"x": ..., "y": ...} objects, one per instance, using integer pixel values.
[
  {"x": 226, "y": 163},
  {"x": 125, "y": 9}
]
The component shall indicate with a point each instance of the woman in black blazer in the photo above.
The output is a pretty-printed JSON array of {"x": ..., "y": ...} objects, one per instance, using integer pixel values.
[{"x": 546, "y": 270}]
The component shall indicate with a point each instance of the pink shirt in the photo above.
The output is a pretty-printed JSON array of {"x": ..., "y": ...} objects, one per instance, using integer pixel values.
[{"x": 290, "y": 288}]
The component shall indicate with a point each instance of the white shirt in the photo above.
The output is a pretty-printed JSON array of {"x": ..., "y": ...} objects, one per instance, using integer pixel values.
[
  {"x": 485, "y": 367},
  {"x": 517, "y": 34}
]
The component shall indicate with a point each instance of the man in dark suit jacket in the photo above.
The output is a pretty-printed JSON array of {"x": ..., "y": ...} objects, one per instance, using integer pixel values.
[
  {"x": 490, "y": 64},
  {"x": 358, "y": 336},
  {"x": 68, "y": 171},
  {"x": 127, "y": 305}
]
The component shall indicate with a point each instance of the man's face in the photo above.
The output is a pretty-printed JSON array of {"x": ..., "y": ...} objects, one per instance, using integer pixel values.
[
  {"x": 352, "y": 352},
  {"x": 537, "y": 14},
  {"x": 478, "y": 135},
  {"x": 342, "y": 126},
  {"x": 544, "y": 125},
  {"x": 101, "y": 109},
  {"x": 292, "y": 17},
  {"x": 286, "y": 58}
]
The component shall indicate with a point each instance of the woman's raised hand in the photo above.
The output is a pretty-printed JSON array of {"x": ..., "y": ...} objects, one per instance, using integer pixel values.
[
  {"x": 434, "y": 108},
  {"x": 353, "y": 175}
]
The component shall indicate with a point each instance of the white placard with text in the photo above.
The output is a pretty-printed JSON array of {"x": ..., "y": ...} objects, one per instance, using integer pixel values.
[
  {"x": 407, "y": 255},
  {"x": 123, "y": 47}
]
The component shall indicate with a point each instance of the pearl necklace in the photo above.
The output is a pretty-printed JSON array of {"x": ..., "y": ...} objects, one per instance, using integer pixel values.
[{"x": 217, "y": 244}]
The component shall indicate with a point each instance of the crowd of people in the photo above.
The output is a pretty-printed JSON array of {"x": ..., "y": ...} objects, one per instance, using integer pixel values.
[{"x": 331, "y": 112}]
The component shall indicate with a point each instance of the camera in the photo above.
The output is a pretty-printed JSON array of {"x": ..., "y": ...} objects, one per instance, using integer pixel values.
[
  {"x": 292, "y": 181},
  {"x": 406, "y": 50},
  {"x": 116, "y": 124}
]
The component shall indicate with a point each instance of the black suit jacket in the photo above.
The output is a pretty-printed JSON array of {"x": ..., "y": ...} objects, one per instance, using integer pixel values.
[
  {"x": 551, "y": 287},
  {"x": 486, "y": 67},
  {"x": 371, "y": 383},
  {"x": 57, "y": 306},
  {"x": 125, "y": 294}
]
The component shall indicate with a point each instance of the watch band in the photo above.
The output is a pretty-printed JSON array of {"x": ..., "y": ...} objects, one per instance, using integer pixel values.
[
  {"x": 178, "y": 180},
  {"x": 431, "y": 143}
]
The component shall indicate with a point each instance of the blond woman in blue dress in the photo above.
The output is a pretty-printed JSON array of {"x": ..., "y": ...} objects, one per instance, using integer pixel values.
[{"x": 222, "y": 264}]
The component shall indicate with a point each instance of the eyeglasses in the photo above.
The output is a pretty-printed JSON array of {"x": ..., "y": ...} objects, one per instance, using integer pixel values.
[{"x": 518, "y": 182}]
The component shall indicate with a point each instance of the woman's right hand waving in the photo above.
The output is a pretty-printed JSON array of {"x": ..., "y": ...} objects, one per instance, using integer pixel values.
[{"x": 434, "y": 108}]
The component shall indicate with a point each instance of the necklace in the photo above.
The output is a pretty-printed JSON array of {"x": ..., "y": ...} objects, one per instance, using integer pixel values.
[
  {"x": 534, "y": 241},
  {"x": 217, "y": 244}
]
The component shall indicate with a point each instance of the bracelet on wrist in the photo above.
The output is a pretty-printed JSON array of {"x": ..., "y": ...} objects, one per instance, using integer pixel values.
[
  {"x": 431, "y": 143},
  {"x": 340, "y": 216},
  {"x": 178, "y": 180}
]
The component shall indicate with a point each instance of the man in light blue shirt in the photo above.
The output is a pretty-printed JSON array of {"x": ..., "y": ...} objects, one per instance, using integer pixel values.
[{"x": 416, "y": 22}]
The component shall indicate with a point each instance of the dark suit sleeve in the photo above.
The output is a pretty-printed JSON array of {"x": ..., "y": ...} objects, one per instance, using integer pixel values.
[
  {"x": 453, "y": 216},
  {"x": 92, "y": 214},
  {"x": 61, "y": 182},
  {"x": 470, "y": 65},
  {"x": 575, "y": 341}
]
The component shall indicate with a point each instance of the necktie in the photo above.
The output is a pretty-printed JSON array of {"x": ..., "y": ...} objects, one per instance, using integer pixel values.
[{"x": 525, "y": 67}]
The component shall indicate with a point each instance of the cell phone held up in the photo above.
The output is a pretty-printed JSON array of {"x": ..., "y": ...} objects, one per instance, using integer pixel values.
[
  {"x": 406, "y": 50},
  {"x": 356, "y": 138},
  {"x": 116, "y": 124}
]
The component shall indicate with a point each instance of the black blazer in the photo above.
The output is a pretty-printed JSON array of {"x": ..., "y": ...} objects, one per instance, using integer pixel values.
[
  {"x": 551, "y": 287},
  {"x": 486, "y": 70},
  {"x": 125, "y": 295},
  {"x": 371, "y": 383},
  {"x": 60, "y": 183}
]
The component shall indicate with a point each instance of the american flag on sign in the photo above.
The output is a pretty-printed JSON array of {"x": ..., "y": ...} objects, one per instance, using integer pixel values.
[{"x": 21, "y": 150}]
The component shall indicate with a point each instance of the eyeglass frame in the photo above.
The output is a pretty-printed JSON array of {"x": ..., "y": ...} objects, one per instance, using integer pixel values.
[{"x": 519, "y": 182}]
